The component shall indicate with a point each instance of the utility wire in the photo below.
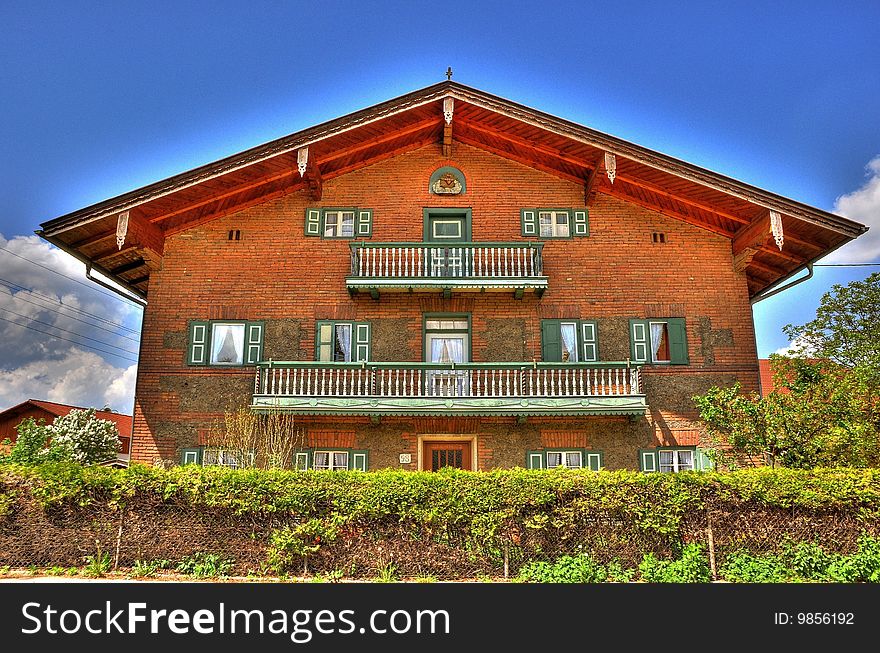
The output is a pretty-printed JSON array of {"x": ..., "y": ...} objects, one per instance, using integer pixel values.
[
  {"x": 70, "y": 317},
  {"x": 844, "y": 265},
  {"x": 73, "y": 333},
  {"x": 68, "y": 306},
  {"x": 52, "y": 335},
  {"x": 61, "y": 274}
]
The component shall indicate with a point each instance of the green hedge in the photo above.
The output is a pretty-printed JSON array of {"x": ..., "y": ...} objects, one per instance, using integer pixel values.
[{"x": 504, "y": 517}]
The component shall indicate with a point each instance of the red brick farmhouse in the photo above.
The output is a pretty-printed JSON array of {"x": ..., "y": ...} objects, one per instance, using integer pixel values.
[{"x": 447, "y": 278}]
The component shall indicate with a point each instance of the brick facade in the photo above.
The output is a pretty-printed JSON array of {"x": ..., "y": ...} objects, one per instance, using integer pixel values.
[{"x": 275, "y": 273}]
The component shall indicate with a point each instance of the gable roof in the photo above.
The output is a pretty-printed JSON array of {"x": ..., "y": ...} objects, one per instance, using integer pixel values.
[
  {"x": 553, "y": 145},
  {"x": 123, "y": 422}
]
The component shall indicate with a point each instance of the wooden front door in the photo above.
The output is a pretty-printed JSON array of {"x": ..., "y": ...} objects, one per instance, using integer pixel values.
[{"x": 436, "y": 455}]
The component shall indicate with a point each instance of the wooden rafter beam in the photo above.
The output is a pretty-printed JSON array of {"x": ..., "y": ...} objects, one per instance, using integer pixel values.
[
  {"x": 684, "y": 200},
  {"x": 92, "y": 240},
  {"x": 590, "y": 183},
  {"x": 128, "y": 267},
  {"x": 109, "y": 254},
  {"x": 752, "y": 236},
  {"x": 315, "y": 181},
  {"x": 401, "y": 133},
  {"x": 775, "y": 251},
  {"x": 769, "y": 269},
  {"x": 684, "y": 217},
  {"x": 330, "y": 174},
  {"x": 135, "y": 282},
  {"x": 521, "y": 142},
  {"x": 513, "y": 156},
  {"x": 215, "y": 198}
]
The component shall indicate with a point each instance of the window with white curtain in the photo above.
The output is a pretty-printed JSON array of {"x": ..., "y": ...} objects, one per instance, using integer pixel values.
[
  {"x": 660, "y": 342},
  {"x": 226, "y": 458},
  {"x": 338, "y": 224},
  {"x": 672, "y": 460},
  {"x": 227, "y": 343},
  {"x": 554, "y": 224},
  {"x": 568, "y": 331},
  {"x": 568, "y": 459},
  {"x": 335, "y": 343},
  {"x": 331, "y": 460}
]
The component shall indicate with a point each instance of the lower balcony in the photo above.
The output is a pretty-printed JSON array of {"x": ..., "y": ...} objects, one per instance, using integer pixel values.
[{"x": 467, "y": 389}]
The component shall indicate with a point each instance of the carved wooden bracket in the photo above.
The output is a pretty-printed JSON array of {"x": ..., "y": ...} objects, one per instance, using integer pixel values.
[{"x": 302, "y": 160}]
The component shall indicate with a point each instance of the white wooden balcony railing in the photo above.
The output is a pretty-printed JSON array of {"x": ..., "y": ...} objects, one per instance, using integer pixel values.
[
  {"x": 435, "y": 387},
  {"x": 486, "y": 265}
]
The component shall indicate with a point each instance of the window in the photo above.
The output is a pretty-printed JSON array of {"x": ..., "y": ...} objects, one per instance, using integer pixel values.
[
  {"x": 447, "y": 340},
  {"x": 658, "y": 237},
  {"x": 569, "y": 341},
  {"x": 216, "y": 456},
  {"x": 568, "y": 458},
  {"x": 554, "y": 223},
  {"x": 234, "y": 234},
  {"x": 662, "y": 341},
  {"x": 225, "y": 343},
  {"x": 339, "y": 222},
  {"x": 674, "y": 459},
  {"x": 342, "y": 342},
  {"x": 332, "y": 459}
]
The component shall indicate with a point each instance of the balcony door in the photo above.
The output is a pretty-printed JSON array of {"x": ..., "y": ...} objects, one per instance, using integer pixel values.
[
  {"x": 444, "y": 228},
  {"x": 447, "y": 340}
]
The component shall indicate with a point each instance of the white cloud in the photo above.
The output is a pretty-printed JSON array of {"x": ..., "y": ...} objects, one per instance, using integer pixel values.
[
  {"x": 36, "y": 365},
  {"x": 81, "y": 378},
  {"x": 862, "y": 205},
  {"x": 796, "y": 347}
]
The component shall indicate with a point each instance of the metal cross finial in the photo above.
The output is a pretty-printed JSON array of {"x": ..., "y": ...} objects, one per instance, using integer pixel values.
[{"x": 449, "y": 72}]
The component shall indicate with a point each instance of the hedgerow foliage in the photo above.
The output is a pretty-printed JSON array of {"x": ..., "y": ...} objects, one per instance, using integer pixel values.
[{"x": 437, "y": 523}]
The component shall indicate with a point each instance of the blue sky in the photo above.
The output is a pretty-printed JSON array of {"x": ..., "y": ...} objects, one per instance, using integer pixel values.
[{"x": 98, "y": 98}]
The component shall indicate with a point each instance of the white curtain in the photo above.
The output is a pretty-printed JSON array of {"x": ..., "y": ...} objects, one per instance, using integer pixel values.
[
  {"x": 554, "y": 459},
  {"x": 321, "y": 460},
  {"x": 340, "y": 460},
  {"x": 573, "y": 459},
  {"x": 569, "y": 342},
  {"x": 447, "y": 350},
  {"x": 685, "y": 460},
  {"x": 666, "y": 461},
  {"x": 343, "y": 341},
  {"x": 656, "y": 338},
  {"x": 227, "y": 343}
]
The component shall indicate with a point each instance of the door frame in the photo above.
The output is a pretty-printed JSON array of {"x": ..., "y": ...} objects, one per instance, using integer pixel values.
[
  {"x": 445, "y": 211},
  {"x": 434, "y": 437}
]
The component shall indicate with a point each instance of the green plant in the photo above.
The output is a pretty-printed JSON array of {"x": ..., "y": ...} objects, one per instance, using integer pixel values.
[
  {"x": 691, "y": 567},
  {"x": 387, "y": 573},
  {"x": 144, "y": 568},
  {"x": 56, "y": 571},
  {"x": 425, "y": 579},
  {"x": 744, "y": 567},
  {"x": 205, "y": 565},
  {"x": 287, "y": 544},
  {"x": 99, "y": 564},
  {"x": 581, "y": 568},
  {"x": 4, "y": 570}
]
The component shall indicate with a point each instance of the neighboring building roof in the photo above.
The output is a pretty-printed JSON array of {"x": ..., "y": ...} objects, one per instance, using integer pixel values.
[
  {"x": 766, "y": 375},
  {"x": 559, "y": 147},
  {"x": 123, "y": 422}
]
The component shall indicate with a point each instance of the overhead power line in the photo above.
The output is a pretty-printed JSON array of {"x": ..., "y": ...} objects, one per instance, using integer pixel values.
[
  {"x": 69, "y": 317},
  {"x": 52, "y": 335},
  {"x": 61, "y": 274},
  {"x": 73, "y": 333},
  {"x": 844, "y": 265},
  {"x": 68, "y": 306}
]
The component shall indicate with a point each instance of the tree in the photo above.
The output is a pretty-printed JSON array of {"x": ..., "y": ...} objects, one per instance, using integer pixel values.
[
  {"x": 846, "y": 329},
  {"x": 820, "y": 415},
  {"x": 262, "y": 441},
  {"x": 78, "y": 436}
]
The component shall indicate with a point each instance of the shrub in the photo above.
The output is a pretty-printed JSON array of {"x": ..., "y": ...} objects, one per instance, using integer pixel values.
[
  {"x": 145, "y": 569},
  {"x": 744, "y": 567},
  {"x": 78, "y": 436},
  {"x": 581, "y": 568},
  {"x": 691, "y": 567},
  {"x": 205, "y": 565}
]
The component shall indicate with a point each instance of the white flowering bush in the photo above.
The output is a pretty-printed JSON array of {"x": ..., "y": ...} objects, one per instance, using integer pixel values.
[
  {"x": 78, "y": 436},
  {"x": 82, "y": 437}
]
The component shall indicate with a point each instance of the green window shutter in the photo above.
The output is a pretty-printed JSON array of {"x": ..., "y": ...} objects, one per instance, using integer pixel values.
[
  {"x": 551, "y": 341},
  {"x": 639, "y": 340},
  {"x": 535, "y": 460},
  {"x": 313, "y": 222},
  {"x": 702, "y": 461},
  {"x": 678, "y": 348},
  {"x": 648, "y": 460},
  {"x": 589, "y": 341},
  {"x": 529, "y": 222},
  {"x": 302, "y": 460},
  {"x": 359, "y": 460},
  {"x": 364, "y": 223},
  {"x": 594, "y": 460},
  {"x": 361, "y": 350},
  {"x": 323, "y": 341},
  {"x": 191, "y": 456},
  {"x": 253, "y": 346},
  {"x": 197, "y": 349},
  {"x": 581, "y": 223}
]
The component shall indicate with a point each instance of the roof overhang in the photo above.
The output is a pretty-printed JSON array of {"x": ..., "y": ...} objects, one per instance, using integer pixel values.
[{"x": 553, "y": 145}]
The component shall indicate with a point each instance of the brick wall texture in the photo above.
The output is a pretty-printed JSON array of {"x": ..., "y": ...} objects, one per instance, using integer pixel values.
[{"x": 275, "y": 273}]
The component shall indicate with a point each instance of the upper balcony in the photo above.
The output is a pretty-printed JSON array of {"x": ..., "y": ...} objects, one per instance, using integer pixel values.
[
  {"x": 518, "y": 389},
  {"x": 468, "y": 266}
]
